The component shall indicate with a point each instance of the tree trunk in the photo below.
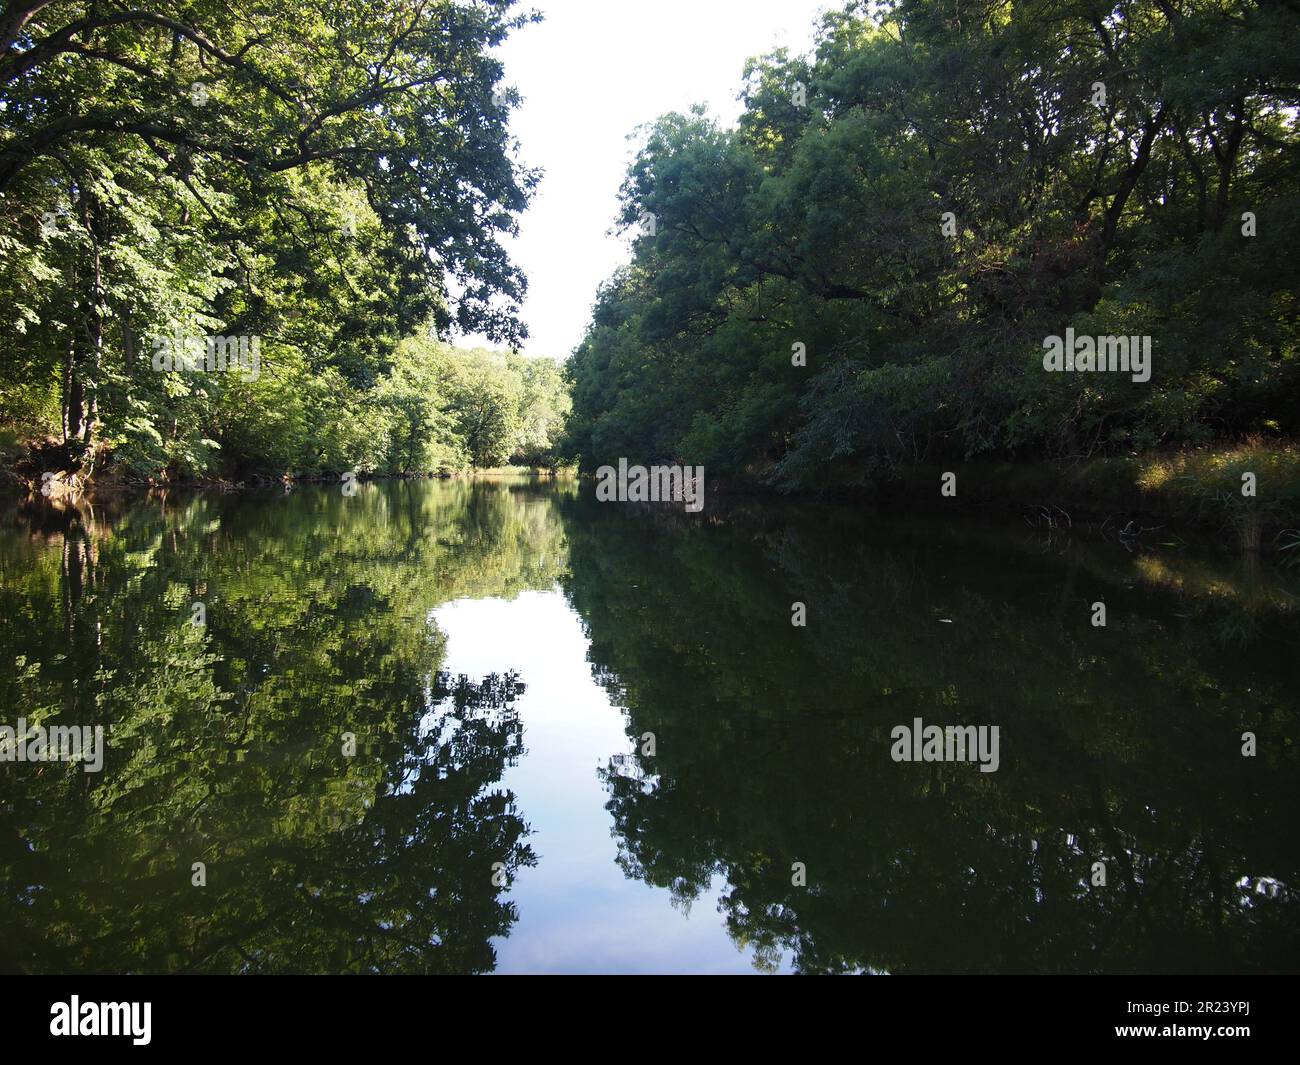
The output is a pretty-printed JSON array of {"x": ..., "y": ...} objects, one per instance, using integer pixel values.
[
  {"x": 94, "y": 321},
  {"x": 71, "y": 390}
]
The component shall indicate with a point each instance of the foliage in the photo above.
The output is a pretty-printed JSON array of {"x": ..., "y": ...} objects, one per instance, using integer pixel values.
[
  {"x": 823, "y": 225},
  {"x": 327, "y": 179}
]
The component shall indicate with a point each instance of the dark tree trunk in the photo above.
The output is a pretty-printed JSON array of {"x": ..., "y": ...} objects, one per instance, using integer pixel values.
[
  {"x": 71, "y": 390},
  {"x": 94, "y": 321}
]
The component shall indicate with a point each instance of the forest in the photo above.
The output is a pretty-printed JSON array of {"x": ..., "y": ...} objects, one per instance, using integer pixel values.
[
  {"x": 860, "y": 277},
  {"x": 331, "y": 181},
  {"x": 853, "y": 282}
]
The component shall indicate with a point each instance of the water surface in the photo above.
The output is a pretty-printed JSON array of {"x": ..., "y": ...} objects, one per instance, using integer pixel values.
[{"x": 413, "y": 734}]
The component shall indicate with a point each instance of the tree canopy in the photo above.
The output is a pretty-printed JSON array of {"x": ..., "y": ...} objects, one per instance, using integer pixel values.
[
  {"x": 327, "y": 180},
  {"x": 861, "y": 273}
]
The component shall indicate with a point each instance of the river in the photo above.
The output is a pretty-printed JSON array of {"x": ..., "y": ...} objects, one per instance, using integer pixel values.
[{"x": 498, "y": 726}]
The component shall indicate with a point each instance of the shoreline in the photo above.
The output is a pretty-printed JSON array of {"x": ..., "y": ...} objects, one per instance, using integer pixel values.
[{"x": 1245, "y": 496}]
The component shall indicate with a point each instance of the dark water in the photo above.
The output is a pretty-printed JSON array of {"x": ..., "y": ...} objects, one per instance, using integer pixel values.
[{"x": 499, "y": 651}]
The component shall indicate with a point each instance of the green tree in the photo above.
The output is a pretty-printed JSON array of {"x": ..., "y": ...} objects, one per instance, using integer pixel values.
[
  {"x": 925, "y": 199},
  {"x": 320, "y": 177}
]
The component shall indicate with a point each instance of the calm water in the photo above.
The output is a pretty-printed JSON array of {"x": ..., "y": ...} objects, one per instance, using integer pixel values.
[{"x": 500, "y": 651}]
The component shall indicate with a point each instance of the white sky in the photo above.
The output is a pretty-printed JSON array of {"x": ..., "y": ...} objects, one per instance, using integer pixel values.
[{"x": 589, "y": 74}]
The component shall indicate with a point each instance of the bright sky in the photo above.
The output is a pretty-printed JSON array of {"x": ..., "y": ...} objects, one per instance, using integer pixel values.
[{"x": 589, "y": 74}]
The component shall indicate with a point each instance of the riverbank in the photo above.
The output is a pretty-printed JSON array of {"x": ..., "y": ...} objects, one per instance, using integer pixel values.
[
  {"x": 1244, "y": 495},
  {"x": 1248, "y": 494},
  {"x": 40, "y": 468},
  {"x": 1238, "y": 495}
]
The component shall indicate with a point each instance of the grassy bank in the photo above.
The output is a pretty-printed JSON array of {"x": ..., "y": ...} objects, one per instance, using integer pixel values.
[
  {"x": 1201, "y": 491},
  {"x": 1246, "y": 494}
]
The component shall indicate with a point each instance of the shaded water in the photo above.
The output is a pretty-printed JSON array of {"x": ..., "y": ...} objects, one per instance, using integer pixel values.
[{"x": 500, "y": 652}]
